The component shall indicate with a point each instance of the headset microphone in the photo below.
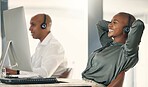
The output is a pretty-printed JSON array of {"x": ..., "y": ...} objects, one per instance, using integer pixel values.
[{"x": 43, "y": 25}]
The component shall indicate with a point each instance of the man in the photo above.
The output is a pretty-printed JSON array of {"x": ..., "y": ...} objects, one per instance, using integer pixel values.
[
  {"x": 48, "y": 59},
  {"x": 120, "y": 39}
]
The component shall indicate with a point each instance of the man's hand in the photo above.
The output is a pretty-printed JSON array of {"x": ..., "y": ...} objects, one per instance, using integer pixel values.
[{"x": 11, "y": 72}]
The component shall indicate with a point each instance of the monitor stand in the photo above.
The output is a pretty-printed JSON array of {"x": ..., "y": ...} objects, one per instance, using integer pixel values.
[{"x": 4, "y": 56}]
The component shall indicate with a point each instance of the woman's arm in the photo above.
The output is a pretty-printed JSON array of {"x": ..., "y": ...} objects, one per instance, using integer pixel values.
[
  {"x": 134, "y": 37},
  {"x": 102, "y": 27},
  {"x": 132, "y": 44}
]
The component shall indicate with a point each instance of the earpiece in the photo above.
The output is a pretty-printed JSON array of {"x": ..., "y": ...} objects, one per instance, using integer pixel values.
[
  {"x": 127, "y": 28},
  {"x": 43, "y": 25}
]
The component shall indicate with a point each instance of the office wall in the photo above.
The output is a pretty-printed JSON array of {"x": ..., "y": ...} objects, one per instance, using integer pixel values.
[{"x": 95, "y": 13}]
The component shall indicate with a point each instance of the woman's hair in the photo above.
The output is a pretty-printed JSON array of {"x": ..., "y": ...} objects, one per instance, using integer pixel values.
[{"x": 130, "y": 17}]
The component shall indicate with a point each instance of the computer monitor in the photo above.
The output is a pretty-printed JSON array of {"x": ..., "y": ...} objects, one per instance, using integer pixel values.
[{"x": 17, "y": 37}]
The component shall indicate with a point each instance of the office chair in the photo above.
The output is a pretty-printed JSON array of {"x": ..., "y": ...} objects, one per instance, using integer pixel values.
[
  {"x": 66, "y": 73},
  {"x": 118, "y": 82}
]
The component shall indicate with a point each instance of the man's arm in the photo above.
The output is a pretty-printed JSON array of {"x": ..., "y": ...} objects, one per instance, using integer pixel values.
[
  {"x": 51, "y": 59},
  {"x": 102, "y": 27}
]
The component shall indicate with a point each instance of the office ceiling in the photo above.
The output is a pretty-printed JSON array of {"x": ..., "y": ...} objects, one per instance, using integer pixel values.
[
  {"x": 134, "y": 6},
  {"x": 56, "y": 4},
  {"x": 137, "y": 7}
]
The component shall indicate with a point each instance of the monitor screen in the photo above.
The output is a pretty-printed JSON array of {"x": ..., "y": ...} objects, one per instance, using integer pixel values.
[{"x": 16, "y": 32}]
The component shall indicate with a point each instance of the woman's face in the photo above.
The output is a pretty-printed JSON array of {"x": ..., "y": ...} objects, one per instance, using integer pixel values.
[{"x": 117, "y": 25}]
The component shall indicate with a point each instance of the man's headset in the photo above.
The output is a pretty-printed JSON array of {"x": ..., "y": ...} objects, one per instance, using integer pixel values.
[
  {"x": 44, "y": 25},
  {"x": 127, "y": 28}
]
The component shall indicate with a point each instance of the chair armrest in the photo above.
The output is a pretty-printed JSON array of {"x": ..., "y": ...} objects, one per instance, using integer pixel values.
[
  {"x": 66, "y": 73},
  {"x": 118, "y": 81}
]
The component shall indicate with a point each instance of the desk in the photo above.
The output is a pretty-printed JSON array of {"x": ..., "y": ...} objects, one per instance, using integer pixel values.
[{"x": 71, "y": 83}]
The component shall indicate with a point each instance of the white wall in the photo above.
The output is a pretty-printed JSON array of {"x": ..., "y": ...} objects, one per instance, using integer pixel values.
[{"x": 141, "y": 70}]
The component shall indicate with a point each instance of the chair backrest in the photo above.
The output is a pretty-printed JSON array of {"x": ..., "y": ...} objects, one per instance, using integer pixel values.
[
  {"x": 66, "y": 73},
  {"x": 118, "y": 82}
]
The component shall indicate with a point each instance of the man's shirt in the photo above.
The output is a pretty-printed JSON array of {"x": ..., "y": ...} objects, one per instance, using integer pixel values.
[{"x": 48, "y": 59}]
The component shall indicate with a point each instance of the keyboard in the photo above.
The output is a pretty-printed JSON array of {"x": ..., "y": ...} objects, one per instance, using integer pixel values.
[{"x": 29, "y": 80}]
